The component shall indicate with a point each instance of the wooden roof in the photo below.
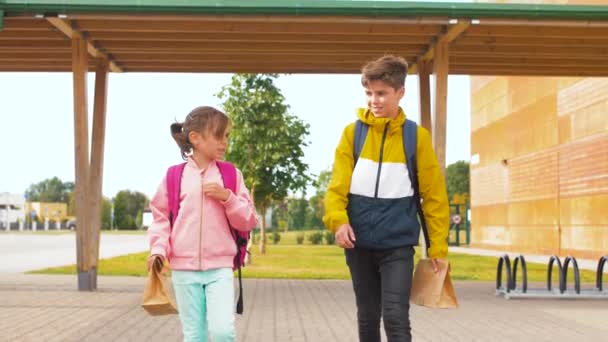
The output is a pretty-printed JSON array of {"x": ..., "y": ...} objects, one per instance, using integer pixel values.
[{"x": 288, "y": 36}]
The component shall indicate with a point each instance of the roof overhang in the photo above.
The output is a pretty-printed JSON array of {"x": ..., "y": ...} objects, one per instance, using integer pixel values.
[{"x": 278, "y": 36}]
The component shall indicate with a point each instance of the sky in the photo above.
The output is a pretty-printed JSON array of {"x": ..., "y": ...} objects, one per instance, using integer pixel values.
[{"x": 37, "y": 137}]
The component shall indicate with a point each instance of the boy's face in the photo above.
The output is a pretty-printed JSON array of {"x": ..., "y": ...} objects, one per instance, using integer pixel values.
[{"x": 382, "y": 99}]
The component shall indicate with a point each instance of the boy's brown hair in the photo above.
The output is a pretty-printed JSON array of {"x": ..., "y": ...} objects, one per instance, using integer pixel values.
[{"x": 388, "y": 69}]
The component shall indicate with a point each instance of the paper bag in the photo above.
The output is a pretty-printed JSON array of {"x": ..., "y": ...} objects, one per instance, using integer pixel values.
[
  {"x": 158, "y": 297},
  {"x": 430, "y": 289}
]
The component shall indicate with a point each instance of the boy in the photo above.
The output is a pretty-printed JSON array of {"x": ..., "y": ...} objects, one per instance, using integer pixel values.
[{"x": 370, "y": 204}]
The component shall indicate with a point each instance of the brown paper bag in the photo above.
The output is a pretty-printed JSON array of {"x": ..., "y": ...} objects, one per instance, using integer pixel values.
[
  {"x": 158, "y": 297},
  {"x": 430, "y": 289}
]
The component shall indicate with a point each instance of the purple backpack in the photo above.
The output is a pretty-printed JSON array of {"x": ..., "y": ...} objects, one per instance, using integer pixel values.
[{"x": 228, "y": 172}]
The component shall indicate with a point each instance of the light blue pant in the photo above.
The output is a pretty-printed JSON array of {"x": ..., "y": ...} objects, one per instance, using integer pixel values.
[{"x": 205, "y": 301}]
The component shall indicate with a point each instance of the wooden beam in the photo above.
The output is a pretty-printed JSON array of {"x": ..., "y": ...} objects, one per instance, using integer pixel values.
[
  {"x": 530, "y": 41},
  {"x": 567, "y": 24},
  {"x": 529, "y": 51},
  {"x": 30, "y": 35},
  {"x": 275, "y": 54},
  {"x": 249, "y": 69},
  {"x": 441, "y": 69},
  {"x": 202, "y": 58},
  {"x": 68, "y": 30},
  {"x": 456, "y": 70},
  {"x": 523, "y": 61},
  {"x": 81, "y": 151},
  {"x": 539, "y": 32},
  {"x": 261, "y": 18},
  {"x": 450, "y": 35},
  {"x": 35, "y": 45},
  {"x": 424, "y": 89},
  {"x": 263, "y": 46},
  {"x": 226, "y": 26},
  {"x": 97, "y": 156},
  {"x": 196, "y": 64},
  {"x": 253, "y": 37}
]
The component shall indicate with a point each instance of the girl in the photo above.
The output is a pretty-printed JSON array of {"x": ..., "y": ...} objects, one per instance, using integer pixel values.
[{"x": 199, "y": 245}]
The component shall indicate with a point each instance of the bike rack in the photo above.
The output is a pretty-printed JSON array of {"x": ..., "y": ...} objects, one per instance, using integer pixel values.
[
  {"x": 503, "y": 261},
  {"x": 512, "y": 291},
  {"x": 600, "y": 272}
]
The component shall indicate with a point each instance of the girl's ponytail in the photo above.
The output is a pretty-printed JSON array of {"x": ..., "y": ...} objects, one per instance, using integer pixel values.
[
  {"x": 181, "y": 138},
  {"x": 202, "y": 120}
]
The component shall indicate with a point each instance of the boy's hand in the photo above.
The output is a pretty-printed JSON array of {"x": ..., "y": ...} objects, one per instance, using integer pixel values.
[
  {"x": 435, "y": 264},
  {"x": 152, "y": 262},
  {"x": 216, "y": 191},
  {"x": 345, "y": 236}
]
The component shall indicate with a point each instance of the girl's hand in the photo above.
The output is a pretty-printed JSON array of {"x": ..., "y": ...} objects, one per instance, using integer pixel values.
[
  {"x": 216, "y": 191},
  {"x": 157, "y": 261}
]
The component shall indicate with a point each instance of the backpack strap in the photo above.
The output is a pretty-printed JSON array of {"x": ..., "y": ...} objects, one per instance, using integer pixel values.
[
  {"x": 410, "y": 144},
  {"x": 228, "y": 173},
  {"x": 173, "y": 180},
  {"x": 360, "y": 135}
]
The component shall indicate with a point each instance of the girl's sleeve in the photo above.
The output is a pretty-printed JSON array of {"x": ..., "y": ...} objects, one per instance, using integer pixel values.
[
  {"x": 239, "y": 207},
  {"x": 160, "y": 229}
]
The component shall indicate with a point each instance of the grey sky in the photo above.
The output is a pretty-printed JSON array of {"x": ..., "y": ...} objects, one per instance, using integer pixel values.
[{"x": 37, "y": 122}]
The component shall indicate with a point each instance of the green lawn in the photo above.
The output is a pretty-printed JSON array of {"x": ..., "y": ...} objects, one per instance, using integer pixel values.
[{"x": 317, "y": 262}]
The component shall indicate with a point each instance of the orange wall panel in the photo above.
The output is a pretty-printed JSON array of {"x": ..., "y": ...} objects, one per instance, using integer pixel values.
[{"x": 541, "y": 184}]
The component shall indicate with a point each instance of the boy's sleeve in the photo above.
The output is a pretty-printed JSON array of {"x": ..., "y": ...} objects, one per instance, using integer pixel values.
[
  {"x": 336, "y": 197},
  {"x": 434, "y": 195},
  {"x": 160, "y": 228},
  {"x": 240, "y": 210}
]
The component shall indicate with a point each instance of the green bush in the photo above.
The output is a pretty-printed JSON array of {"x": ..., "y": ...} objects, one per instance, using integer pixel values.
[
  {"x": 330, "y": 238},
  {"x": 315, "y": 238},
  {"x": 276, "y": 237},
  {"x": 255, "y": 236},
  {"x": 300, "y": 238}
]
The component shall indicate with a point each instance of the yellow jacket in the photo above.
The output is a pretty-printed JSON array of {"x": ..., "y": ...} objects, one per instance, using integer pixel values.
[{"x": 357, "y": 194}]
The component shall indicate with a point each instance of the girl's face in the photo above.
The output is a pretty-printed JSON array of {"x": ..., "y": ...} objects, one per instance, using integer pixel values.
[{"x": 210, "y": 146}]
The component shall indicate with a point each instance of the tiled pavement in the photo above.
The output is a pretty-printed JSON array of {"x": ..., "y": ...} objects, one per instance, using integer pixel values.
[{"x": 48, "y": 308}]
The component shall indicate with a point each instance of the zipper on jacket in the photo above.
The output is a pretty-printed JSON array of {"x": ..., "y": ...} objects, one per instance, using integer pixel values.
[
  {"x": 200, "y": 231},
  {"x": 380, "y": 159}
]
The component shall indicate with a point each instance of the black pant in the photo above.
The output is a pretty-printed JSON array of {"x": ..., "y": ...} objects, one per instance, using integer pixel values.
[{"x": 382, "y": 280}]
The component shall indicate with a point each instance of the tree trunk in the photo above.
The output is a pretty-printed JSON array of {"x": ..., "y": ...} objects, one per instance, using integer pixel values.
[
  {"x": 249, "y": 256},
  {"x": 263, "y": 232}
]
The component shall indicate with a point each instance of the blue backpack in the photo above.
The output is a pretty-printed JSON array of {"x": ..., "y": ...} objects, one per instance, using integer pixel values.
[{"x": 410, "y": 142}]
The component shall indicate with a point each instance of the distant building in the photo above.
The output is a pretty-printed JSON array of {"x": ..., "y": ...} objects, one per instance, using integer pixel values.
[
  {"x": 54, "y": 211},
  {"x": 12, "y": 208}
]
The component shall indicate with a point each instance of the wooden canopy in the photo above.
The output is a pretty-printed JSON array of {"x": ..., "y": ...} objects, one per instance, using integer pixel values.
[{"x": 287, "y": 36}]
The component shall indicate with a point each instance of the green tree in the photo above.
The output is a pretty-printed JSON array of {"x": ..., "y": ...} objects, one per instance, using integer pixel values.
[
  {"x": 317, "y": 207},
  {"x": 279, "y": 213},
  {"x": 50, "y": 190},
  {"x": 266, "y": 141},
  {"x": 127, "y": 208},
  {"x": 457, "y": 179},
  {"x": 297, "y": 212},
  {"x": 106, "y": 213}
]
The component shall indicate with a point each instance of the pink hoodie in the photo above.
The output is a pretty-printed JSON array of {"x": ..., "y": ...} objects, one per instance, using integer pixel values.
[{"x": 200, "y": 238}]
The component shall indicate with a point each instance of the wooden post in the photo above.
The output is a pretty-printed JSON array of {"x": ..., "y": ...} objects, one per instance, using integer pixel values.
[
  {"x": 424, "y": 69},
  {"x": 81, "y": 153},
  {"x": 440, "y": 69},
  {"x": 97, "y": 157}
]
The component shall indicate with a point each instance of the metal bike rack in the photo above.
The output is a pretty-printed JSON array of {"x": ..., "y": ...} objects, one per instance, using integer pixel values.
[{"x": 511, "y": 290}]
